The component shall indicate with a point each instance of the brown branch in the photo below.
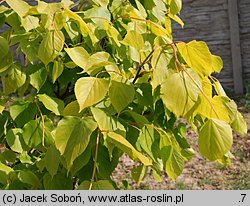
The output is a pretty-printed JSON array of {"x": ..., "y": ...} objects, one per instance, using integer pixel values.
[{"x": 141, "y": 65}]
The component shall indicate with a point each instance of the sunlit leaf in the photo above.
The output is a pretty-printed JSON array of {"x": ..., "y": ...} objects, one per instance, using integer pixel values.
[{"x": 90, "y": 90}]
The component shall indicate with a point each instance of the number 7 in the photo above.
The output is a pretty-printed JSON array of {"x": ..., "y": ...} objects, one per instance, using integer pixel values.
[{"x": 243, "y": 197}]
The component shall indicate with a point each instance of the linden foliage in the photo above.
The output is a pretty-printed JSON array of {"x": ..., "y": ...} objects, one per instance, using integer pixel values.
[{"x": 105, "y": 80}]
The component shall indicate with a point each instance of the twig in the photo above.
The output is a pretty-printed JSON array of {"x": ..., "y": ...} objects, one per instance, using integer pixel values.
[{"x": 141, "y": 65}]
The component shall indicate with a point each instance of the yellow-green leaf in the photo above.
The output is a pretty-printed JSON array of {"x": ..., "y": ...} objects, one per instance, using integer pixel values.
[
  {"x": 78, "y": 55},
  {"x": 179, "y": 93},
  {"x": 120, "y": 142},
  {"x": 51, "y": 46},
  {"x": 51, "y": 103},
  {"x": 134, "y": 39},
  {"x": 19, "y": 6},
  {"x": 197, "y": 56},
  {"x": 90, "y": 90},
  {"x": 121, "y": 95},
  {"x": 239, "y": 125},
  {"x": 72, "y": 136},
  {"x": 30, "y": 22},
  {"x": 215, "y": 139}
]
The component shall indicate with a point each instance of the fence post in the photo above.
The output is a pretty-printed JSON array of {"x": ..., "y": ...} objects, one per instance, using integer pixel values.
[{"x": 235, "y": 46}]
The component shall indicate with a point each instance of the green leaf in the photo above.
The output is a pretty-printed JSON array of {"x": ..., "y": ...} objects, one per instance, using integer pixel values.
[
  {"x": 4, "y": 173},
  {"x": 38, "y": 75},
  {"x": 4, "y": 47},
  {"x": 78, "y": 55},
  {"x": 72, "y": 137},
  {"x": 99, "y": 185},
  {"x": 14, "y": 139},
  {"x": 57, "y": 70},
  {"x": 51, "y": 46},
  {"x": 52, "y": 160},
  {"x": 179, "y": 93},
  {"x": 197, "y": 55},
  {"x": 146, "y": 139},
  {"x": 51, "y": 103},
  {"x": 102, "y": 3},
  {"x": 120, "y": 142},
  {"x": 215, "y": 139},
  {"x": 121, "y": 95},
  {"x": 134, "y": 39},
  {"x": 83, "y": 26},
  {"x": 174, "y": 164},
  {"x": 22, "y": 112},
  {"x": 61, "y": 181},
  {"x": 175, "y": 6},
  {"x": 15, "y": 79},
  {"x": 30, "y": 22},
  {"x": 106, "y": 122},
  {"x": 20, "y": 7},
  {"x": 90, "y": 90},
  {"x": 97, "y": 61},
  {"x": 72, "y": 109},
  {"x": 33, "y": 132},
  {"x": 160, "y": 61},
  {"x": 239, "y": 125},
  {"x": 139, "y": 173},
  {"x": 29, "y": 177}
]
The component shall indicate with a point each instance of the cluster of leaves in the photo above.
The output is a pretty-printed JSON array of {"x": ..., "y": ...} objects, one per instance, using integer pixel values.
[{"x": 101, "y": 81}]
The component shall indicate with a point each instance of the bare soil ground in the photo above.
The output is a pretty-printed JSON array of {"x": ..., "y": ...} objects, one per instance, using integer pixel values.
[{"x": 199, "y": 174}]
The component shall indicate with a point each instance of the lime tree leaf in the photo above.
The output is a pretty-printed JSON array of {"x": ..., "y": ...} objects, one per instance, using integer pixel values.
[
  {"x": 61, "y": 181},
  {"x": 175, "y": 6},
  {"x": 134, "y": 39},
  {"x": 33, "y": 132},
  {"x": 139, "y": 173},
  {"x": 72, "y": 109},
  {"x": 120, "y": 142},
  {"x": 215, "y": 139},
  {"x": 6, "y": 61},
  {"x": 121, "y": 95},
  {"x": 197, "y": 55},
  {"x": 78, "y": 55},
  {"x": 106, "y": 122},
  {"x": 51, "y": 103},
  {"x": 97, "y": 61},
  {"x": 51, "y": 46},
  {"x": 217, "y": 110},
  {"x": 20, "y": 7},
  {"x": 239, "y": 125},
  {"x": 217, "y": 63},
  {"x": 102, "y": 3},
  {"x": 179, "y": 93},
  {"x": 4, "y": 47},
  {"x": 72, "y": 136},
  {"x": 14, "y": 138},
  {"x": 29, "y": 177},
  {"x": 4, "y": 173},
  {"x": 57, "y": 70},
  {"x": 22, "y": 112},
  {"x": 15, "y": 79},
  {"x": 30, "y": 22},
  {"x": 175, "y": 163},
  {"x": 38, "y": 75},
  {"x": 146, "y": 139},
  {"x": 99, "y": 185},
  {"x": 90, "y": 90},
  {"x": 52, "y": 160},
  {"x": 160, "y": 61},
  {"x": 83, "y": 26}
]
